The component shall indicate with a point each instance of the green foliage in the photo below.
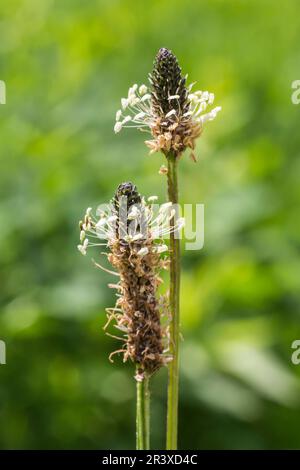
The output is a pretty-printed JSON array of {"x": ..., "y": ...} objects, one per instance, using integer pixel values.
[{"x": 66, "y": 65}]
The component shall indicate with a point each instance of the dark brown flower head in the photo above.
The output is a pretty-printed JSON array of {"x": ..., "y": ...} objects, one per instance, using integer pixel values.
[
  {"x": 167, "y": 82},
  {"x": 172, "y": 113},
  {"x": 174, "y": 130},
  {"x": 128, "y": 191},
  {"x": 125, "y": 197}
]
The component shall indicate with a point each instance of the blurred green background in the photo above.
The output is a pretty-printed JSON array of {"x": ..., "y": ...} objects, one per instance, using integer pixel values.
[{"x": 66, "y": 65}]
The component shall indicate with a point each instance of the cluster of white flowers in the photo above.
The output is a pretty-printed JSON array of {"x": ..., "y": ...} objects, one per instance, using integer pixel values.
[
  {"x": 137, "y": 110},
  {"x": 145, "y": 220},
  {"x": 199, "y": 100},
  {"x": 90, "y": 226}
]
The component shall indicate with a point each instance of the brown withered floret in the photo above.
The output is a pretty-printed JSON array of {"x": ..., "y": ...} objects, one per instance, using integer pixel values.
[{"x": 138, "y": 310}]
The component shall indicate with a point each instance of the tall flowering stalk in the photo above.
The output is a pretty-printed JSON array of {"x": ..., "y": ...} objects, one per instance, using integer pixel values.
[
  {"x": 174, "y": 116},
  {"x": 133, "y": 235}
]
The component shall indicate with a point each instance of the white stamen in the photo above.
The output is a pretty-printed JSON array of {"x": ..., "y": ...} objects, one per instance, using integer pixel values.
[
  {"x": 152, "y": 198},
  {"x": 138, "y": 236},
  {"x": 143, "y": 89},
  {"x": 162, "y": 248},
  {"x": 216, "y": 110},
  {"x": 192, "y": 97},
  {"x": 118, "y": 127},
  {"x": 164, "y": 207},
  {"x": 133, "y": 214},
  {"x": 202, "y": 108},
  {"x": 146, "y": 97},
  {"x": 118, "y": 115},
  {"x": 101, "y": 222},
  {"x": 139, "y": 116},
  {"x": 170, "y": 113},
  {"x": 112, "y": 218},
  {"x": 81, "y": 249},
  {"x": 126, "y": 119},
  {"x": 210, "y": 116},
  {"x": 133, "y": 100},
  {"x": 143, "y": 251},
  {"x": 124, "y": 103}
]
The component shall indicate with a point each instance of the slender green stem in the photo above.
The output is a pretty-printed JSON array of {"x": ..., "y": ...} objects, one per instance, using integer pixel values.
[
  {"x": 147, "y": 412},
  {"x": 173, "y": 384},
  {"x": 143, "y": 415}
]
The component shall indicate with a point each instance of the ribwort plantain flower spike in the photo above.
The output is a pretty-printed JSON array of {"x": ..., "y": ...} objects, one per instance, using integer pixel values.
[
  {"x": 133, "y": 235},
  {"x": 169, "y": 110}
]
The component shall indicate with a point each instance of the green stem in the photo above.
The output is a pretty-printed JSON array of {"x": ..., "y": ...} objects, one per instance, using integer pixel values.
[
  {"x": 147, "y": 412},
  {"x": 143, "y": 415},
  {"x": 172, "y": 413}
]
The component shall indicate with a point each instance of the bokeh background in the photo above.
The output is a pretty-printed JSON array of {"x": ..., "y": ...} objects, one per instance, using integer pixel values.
[{"x": 66, "y": 65}]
